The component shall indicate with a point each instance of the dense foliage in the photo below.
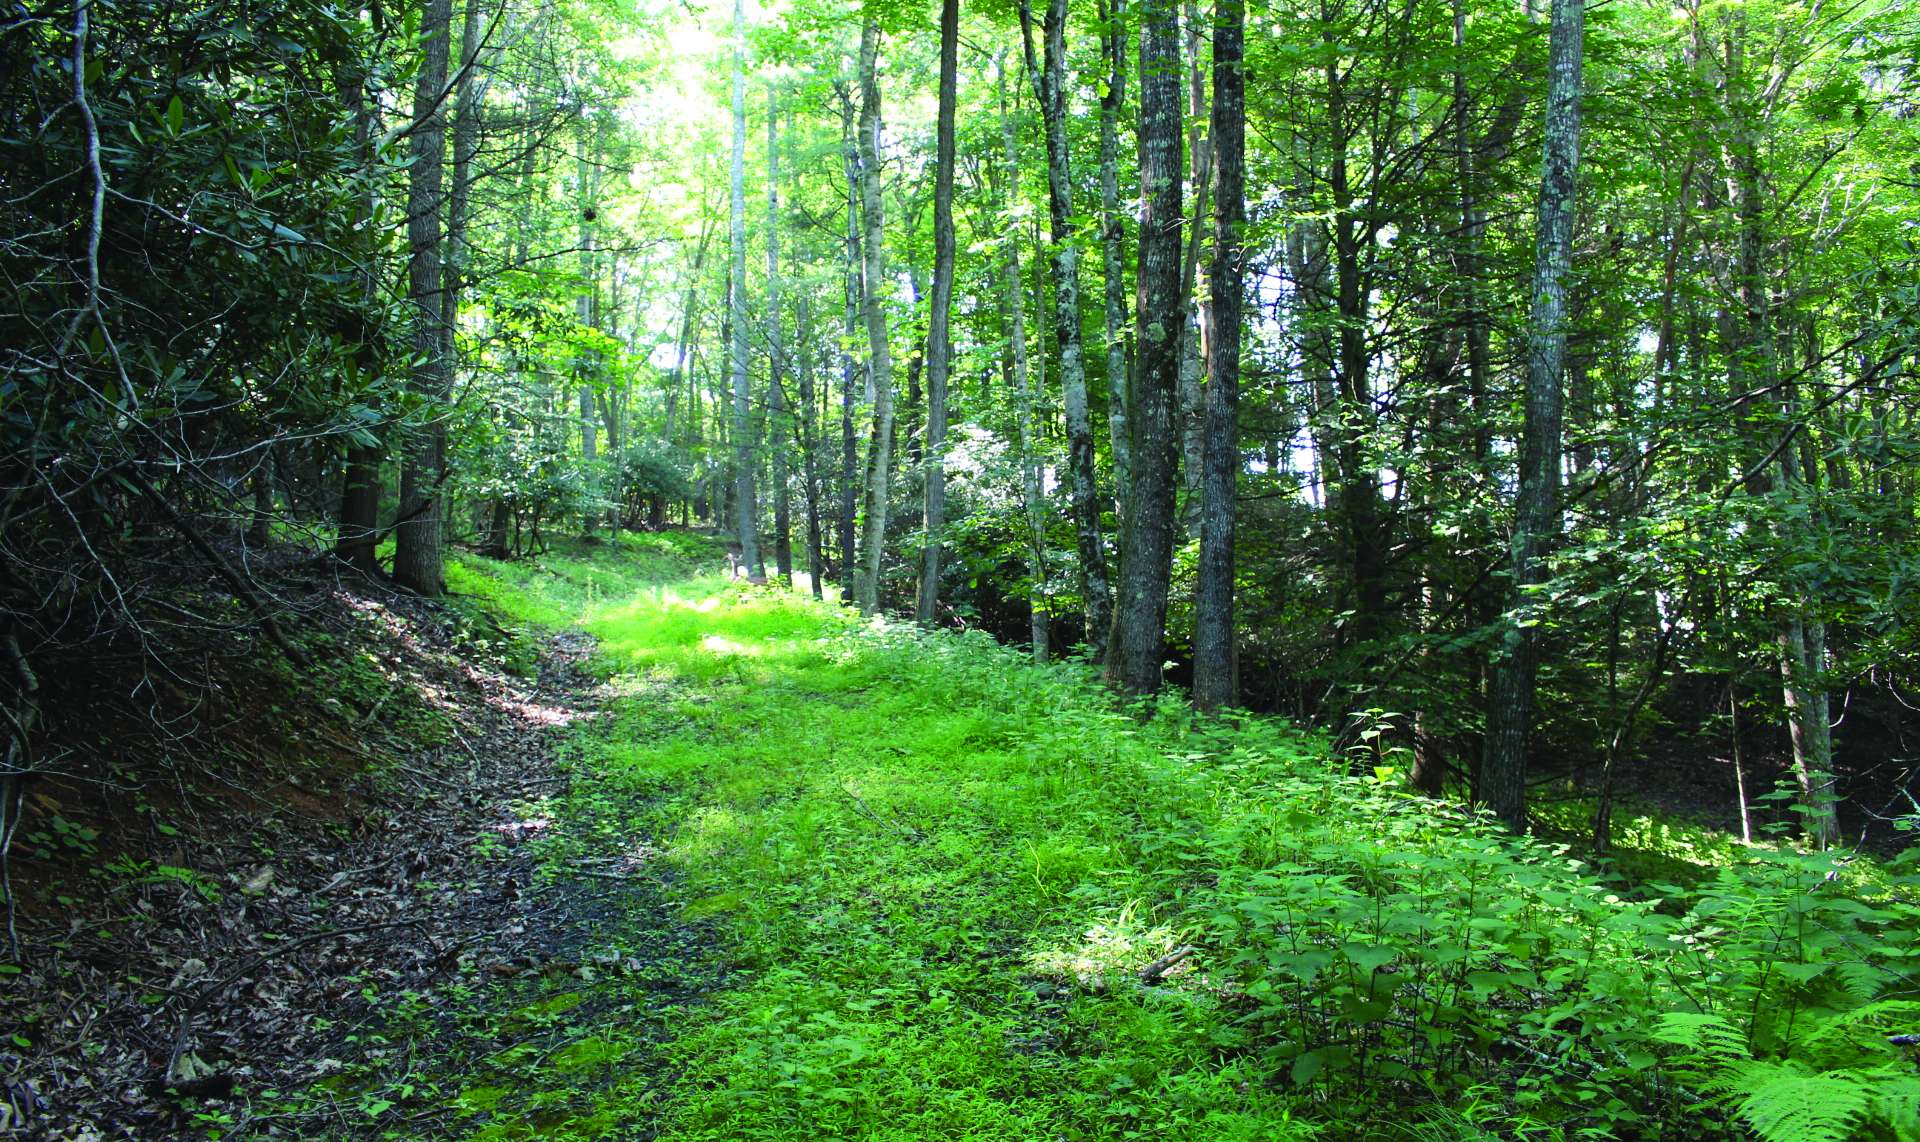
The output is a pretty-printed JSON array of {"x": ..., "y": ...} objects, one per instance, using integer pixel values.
[
  {"x": 1521, "y": 397},
  {"x": 224, "y": 335}
]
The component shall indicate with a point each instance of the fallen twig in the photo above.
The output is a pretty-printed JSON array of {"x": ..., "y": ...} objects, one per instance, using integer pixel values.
[
  {"x": 592, "y": 874},
  {"x": 905, "y": 829},
  {"x": 1157, "y": 970}
]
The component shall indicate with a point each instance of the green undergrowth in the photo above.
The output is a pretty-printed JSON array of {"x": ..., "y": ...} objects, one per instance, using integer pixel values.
[
  {"x": 938, "y": 872},
  {"x": 519, "y": 599},
  {"x": 555, "y": 589},
  {"x": 1651, "y": 847}
]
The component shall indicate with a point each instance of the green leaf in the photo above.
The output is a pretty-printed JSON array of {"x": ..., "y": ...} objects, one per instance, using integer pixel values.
[
  {"x": 1369, "y": 958},
  {"x": 1800, "y": 973},
  {"x": 176, "y": 115}
]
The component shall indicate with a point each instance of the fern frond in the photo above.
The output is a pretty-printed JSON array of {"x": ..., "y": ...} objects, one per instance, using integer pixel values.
[
  {"x": 1710, "y": 1035},
  {"x": 1862, "y": 979},
  {"x": 1784, "y": 1103},
  {"x": 1896, "y": 1101},
  {"x": 1860, "y": 1035}
]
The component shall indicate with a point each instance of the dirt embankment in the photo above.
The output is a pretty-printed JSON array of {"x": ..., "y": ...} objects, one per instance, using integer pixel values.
[{"x": 233, "y": 871}]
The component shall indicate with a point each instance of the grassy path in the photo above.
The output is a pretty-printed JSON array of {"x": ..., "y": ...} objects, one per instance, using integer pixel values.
[
  {"x": 879, "y": 884},
  {"x": 923, "y": 860}
]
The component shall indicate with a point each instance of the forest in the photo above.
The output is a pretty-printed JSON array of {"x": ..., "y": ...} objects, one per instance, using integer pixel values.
[{"x": 804, "y": 569}]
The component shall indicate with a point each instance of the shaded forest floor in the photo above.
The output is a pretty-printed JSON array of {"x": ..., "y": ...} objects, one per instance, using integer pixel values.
[
  {"x": 629, "y": 851},
  {"x": 247, "y": 885}
]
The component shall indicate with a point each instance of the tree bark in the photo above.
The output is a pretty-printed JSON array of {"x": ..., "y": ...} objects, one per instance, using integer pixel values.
[
  {"x": 1050, "y": 87},
  {"x": 420, "y": 537},
  {"x": 359, "y": 528},
  {"x": 850, "y": 367},
  {"x": 586, "y": 309},
  {"x": 1113, "y": 237},
  {"x": 779, "y": 416},
  {"x": 1214, "y": 679},
  {"x": 359, "y": 523},
  {"x": 939, "y": 337},
  {"x": 1473, "y": 227},
  {"x": 1138, "y": 643},
  {"x": 1355, "y": 502},
  {"x": 810, "y": 446},
  {"x": 873, "y": 537},
  {"x": 1193, "y": 329},
  {"x": 1753, "y": 370},
  {"x": 469, "y": 97},
  {"x": 683, "y": 346},
  {"x": 1536, "y": 508},
  {"x": 745, "y": 511},
  {"x": 1039, "y": 620}
]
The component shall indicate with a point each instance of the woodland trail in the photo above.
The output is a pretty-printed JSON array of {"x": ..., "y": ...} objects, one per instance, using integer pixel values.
[
  {"x": 853, "y": 880},
  {"x": 732, "y": 865}
]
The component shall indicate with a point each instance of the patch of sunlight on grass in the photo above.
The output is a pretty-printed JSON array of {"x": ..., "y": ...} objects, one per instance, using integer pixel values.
[
  {"x": 1649, "y": 847},
  {"x": 1106, "y": 951},
  {"x": 716, "y": 644}
]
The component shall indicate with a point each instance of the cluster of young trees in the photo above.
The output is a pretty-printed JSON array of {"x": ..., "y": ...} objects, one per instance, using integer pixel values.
[{"x": 1476, "y": 378}]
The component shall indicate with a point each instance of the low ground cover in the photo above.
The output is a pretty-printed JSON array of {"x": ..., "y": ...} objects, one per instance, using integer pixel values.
[{"x": 951, "y": 893}]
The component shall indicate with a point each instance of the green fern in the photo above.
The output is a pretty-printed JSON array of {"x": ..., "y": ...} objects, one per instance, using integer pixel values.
[
  {"x": 1832, "y": 1100},
  {"x": 1863, "y": 980},
  {"x": 1859, "y": 1036},
  {"x": 1708, "y": 1035},
  {"x": 1787, "y": 1103},
  {"x": 1896, "y": 1101}
]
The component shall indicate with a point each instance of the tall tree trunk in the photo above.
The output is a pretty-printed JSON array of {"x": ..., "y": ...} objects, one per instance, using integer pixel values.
[
  {"x": 420, "y": 536},
  {"x": 1113, "y": 237},
  {"x": 907, "y": 416},
  {"x": 1356, "y": 499},
  {"x": 360, "y": 510},
  {"x": 779, "y": 440},
  {"x": 1193, "y": 330},
  {"x": 745, "y": 511},
  {"x": 1032, "y": 498},
  {"x": 1214, "y": 680},
  {"x": 359, "y": 523},
  {"x": 1803, "y": 649},
  {"x": 683, "y": 346},
  {"x": 1483, "y": 604},
  {"x": 778, "y": 415},
  {"x": 586, "y": 308},
  {"x": 1803, "y": 645},
  {"x": 1138, "y": 644},
  {"x": 1050, "y": 86},
  {"x": 1536, "y": 508},
  {"x": 469, "y": 98},
  {"x": 939, "y": 338},
  {"x": 850, "y": 368},
  {"x": 1307, "y": 266},
  {"x": 810, "y": 443},
  {"x": 873, "y": 537},
  {"x": 1753, "y": 371},
  {"x": 1473, "y": 227}
]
